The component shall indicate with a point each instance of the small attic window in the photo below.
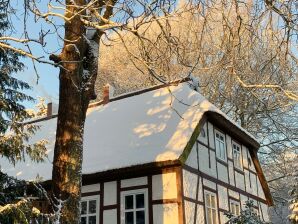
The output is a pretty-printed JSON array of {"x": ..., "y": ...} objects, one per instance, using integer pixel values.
[
  {"x": 220, "y": 145},
  {"x": 249, "y": 162},
  {"x": 203, "y": 133}
]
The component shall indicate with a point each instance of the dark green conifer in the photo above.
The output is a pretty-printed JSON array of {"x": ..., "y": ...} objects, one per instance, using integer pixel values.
[{"x": 14, "y": 133}]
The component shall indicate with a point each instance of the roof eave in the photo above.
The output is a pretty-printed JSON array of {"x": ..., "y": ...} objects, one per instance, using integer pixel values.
[{"x": 232, "y": 130}]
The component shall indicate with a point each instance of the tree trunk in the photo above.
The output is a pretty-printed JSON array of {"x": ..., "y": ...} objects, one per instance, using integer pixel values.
[
  {"x": 79, "y": 59},
  {"x": 74, "y": 98}
]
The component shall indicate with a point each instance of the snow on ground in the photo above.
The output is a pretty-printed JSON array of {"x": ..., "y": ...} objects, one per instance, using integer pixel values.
[{"x": 153, "y": 126}]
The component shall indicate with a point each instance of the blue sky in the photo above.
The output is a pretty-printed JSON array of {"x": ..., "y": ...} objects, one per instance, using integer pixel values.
[{"x": 47, "y": 85}]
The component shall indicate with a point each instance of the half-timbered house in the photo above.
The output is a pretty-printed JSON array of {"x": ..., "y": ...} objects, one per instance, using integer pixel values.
[{"x": 163, "y": 155}]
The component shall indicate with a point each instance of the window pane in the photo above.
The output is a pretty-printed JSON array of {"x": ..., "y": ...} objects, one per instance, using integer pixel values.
[
  {"x": 217, "y": 145},
  {"x": 237, "y": 158},
  {"x": 84, "y": 207},
  {"x": 222, "y": 150},
  {"x": 140, "y": 200},
  {"x": 92, "y": 207},
  {"x": 129, "y": 218},
  {"x": 129, "y": 202},
  {"x": 212, "y": 201},
  {"x": 83, "y": 220},
  {"x": 214, "y": 216},
  {"x": 140, "y": 217},
  {"x": 209, "y": 216},
  {"x": 237, "y": 210},
  {"x": 207, "y": 199},
  {"x": 92, "y": 220},
  {"x": 232, "y": 209}
]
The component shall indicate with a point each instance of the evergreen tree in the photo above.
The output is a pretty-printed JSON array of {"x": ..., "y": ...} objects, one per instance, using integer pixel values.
[
  {"x": 10, "y": 190},
  {"x": 14, "y": 135}
]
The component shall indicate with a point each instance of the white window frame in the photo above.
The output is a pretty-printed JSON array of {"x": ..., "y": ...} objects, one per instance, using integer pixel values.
[
  {"x": 235, "y": 204},
  {"x": 206, "y": 194},
  {"x": 240, "y": 165},
  {"x": 134, "y": 192},
  {"x": 218, "y": 153},
  {"x": 90, "y": 198}
]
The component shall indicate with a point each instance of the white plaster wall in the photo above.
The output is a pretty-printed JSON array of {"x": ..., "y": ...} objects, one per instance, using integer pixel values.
[
  {"x": 110, "y": 216},
  {"x": 231, "y": 173},
  {"x": 200, "y": 215},
  {"x": 209, "y": 184},
  {"x": 223, "y": 201},
  {"x": 247, "y": 184},
  {"x": 244, "y": 155},
  {"x": 110, "y": 193},
  {"x": 134, "y": 182},
  {"x": 164, "y": 186},
  {"x": 229, "y": 147},
  {"x": 253, "y": 179},
  {"x": 190, "y": 184},
  {"x": 264, "y": 208},
  {"x": 203, "y": 158},
  {"x": 243, "y": 200},
  {"x": 90, "y": 188},
  {"x": 222, "y": 172},
  {"x": 211, "y": 135},
  {"x": 166, "y": 213},
  {"x": 192, "y": 158},
  {"x": 200, "y": 192},
  {"x": 234, "y": 194},
  {"x": 239, "y": 179},
  {"x": 252, "y": 167},
  {"x": 260, "y": 190},
  {"x": 223, "y": 218},
  {"x": 213, "y": 171},
  {"x": 200, "y": 138},
  {"x": 189, "y": 209}
]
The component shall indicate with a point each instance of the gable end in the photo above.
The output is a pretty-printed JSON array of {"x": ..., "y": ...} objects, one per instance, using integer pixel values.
[{"x": 230, "y": 129}]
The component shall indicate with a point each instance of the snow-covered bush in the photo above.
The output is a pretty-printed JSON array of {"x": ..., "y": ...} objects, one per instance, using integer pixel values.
[
  {"x": 293, "y": 203},
  {"x": 247, "y": 216}
]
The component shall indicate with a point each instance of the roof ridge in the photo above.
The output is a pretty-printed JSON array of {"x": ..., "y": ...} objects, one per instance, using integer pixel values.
[
  {"x": 141, "y": 91},
  {"x": 119, "y": 97}
]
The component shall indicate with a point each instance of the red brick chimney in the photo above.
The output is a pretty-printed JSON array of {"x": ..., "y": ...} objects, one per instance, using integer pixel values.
[
  {"x": 108, "y": 92},
  {"x": 50, "y": 109}
]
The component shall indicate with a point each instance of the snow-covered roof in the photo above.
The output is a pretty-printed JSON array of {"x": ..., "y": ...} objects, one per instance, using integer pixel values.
[{"x": 150, "y": 127}]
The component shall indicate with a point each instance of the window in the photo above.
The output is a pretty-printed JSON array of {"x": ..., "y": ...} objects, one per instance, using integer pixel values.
[
  {"x": 220, "y": 145},
  {"x": 235, "y": 208},
  {"x": 134, "y": 207},
  {"x": 210, "y": 207},
  {"x": 237, "y": 155},
  {"x": 89, "y": 210}
]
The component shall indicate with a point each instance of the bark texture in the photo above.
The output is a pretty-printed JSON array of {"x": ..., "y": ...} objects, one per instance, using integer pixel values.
[{"x": 76, "y": 91}]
